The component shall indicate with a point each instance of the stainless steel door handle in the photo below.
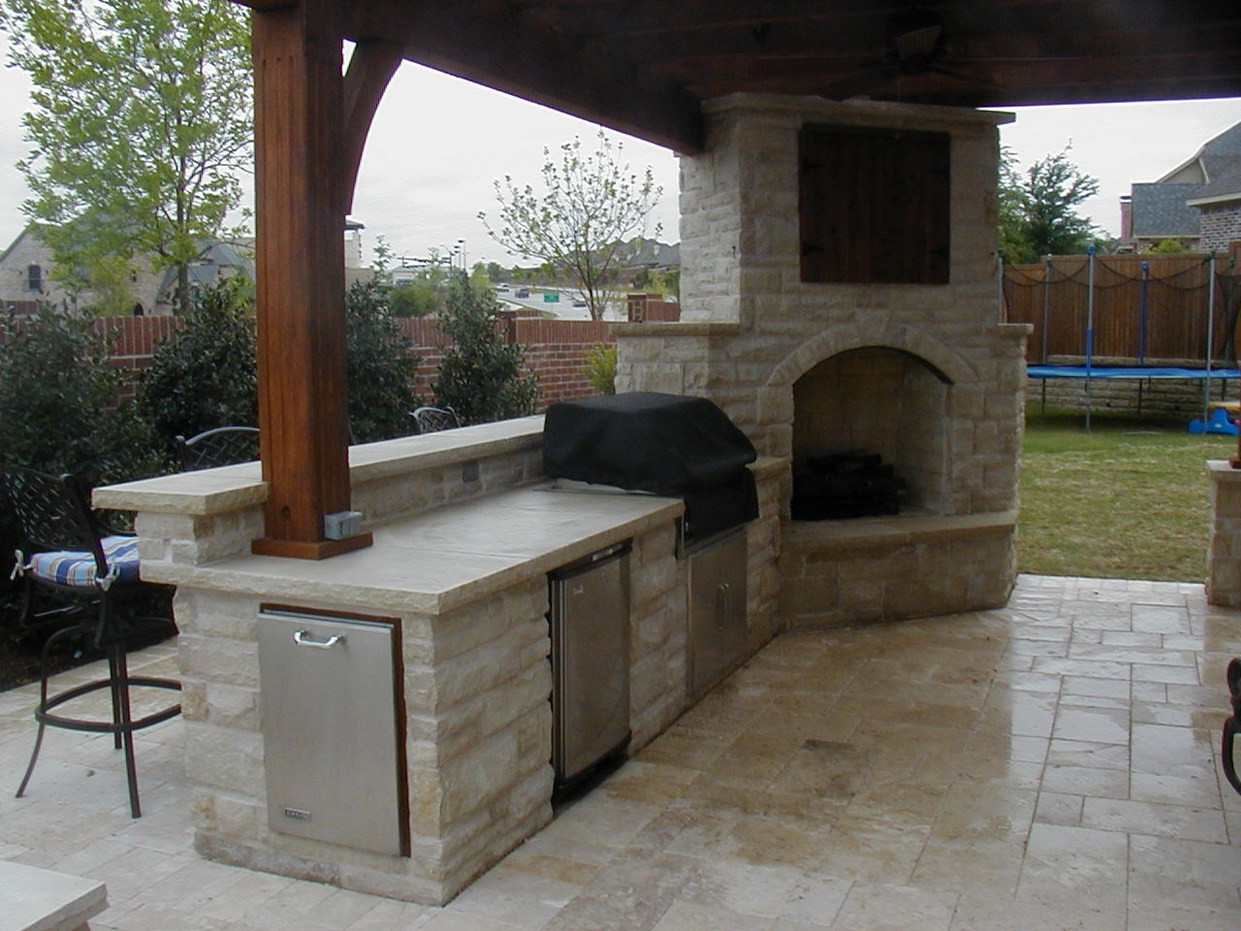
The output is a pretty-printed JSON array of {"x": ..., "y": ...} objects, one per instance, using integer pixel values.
[{"x": 303, "y": 639}]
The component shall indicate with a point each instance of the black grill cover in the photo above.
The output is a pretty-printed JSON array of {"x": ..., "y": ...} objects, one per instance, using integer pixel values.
[{"x": 665, "y": 444}]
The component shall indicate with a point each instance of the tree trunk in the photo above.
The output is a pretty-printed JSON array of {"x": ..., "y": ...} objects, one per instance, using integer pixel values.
[{"x": 183, "y": 289}]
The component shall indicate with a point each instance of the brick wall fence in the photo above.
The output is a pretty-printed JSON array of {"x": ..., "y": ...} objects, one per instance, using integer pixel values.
[{"x": 555, "y": 350}]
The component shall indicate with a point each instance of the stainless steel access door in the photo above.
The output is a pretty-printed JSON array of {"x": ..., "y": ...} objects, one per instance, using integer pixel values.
[
  {"x": 333, "y": 742},
  {"x": 717, "y": 610}
]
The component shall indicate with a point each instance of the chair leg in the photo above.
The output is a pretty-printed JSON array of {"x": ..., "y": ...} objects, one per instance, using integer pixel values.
[
  {"x": 124, "y": 723},
  {"x": 34, "y": 756},
  {"x": 27, "y": 608},
  {"x": 116, "y": 688}
]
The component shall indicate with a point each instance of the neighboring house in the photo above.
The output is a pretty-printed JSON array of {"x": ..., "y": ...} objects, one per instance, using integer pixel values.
[
  {"x": 1219, "y": 204},
  {"x": 1198, "y": 202},
  {"x": 26, "y": 275},
  {"x": 26, "y": 272},
  {"x": 649, "y": 253}
]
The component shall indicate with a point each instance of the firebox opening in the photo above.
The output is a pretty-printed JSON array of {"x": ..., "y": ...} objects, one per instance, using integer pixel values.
[{"x": 876, "y": 406}]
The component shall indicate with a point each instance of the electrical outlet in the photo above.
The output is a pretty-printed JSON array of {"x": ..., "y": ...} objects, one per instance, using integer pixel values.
[{"x": 342, "y": 524}]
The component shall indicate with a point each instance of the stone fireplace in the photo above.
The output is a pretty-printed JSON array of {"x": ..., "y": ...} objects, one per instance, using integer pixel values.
[{"x": 819, "y": 328}]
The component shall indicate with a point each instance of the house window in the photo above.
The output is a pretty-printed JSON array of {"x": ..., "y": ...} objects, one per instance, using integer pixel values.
[
  {"x": 34, "y": 277},
  {"x": 874, "y": 205}
]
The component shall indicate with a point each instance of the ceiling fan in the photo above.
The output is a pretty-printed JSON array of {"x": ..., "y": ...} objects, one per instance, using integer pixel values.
[{"x": 915, "y": 48}]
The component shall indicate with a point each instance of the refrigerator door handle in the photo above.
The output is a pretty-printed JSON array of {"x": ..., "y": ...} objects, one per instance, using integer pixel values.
[{"x": 303, "y": 639}]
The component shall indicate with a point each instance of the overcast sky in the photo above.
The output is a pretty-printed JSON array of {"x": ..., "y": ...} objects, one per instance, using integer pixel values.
[{"x": 438, "y": 144}]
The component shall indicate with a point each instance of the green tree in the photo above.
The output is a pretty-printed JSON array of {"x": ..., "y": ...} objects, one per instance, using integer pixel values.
[
  {"x": 1037, "y": 215},
  {"x": 142, "y": 119},
  {"x": 590, "y": 206},
  {"x": 205, "y": 375},
  {"x": 480, "y": 376},
  {"x": 381, "y": 365},
  {"x": 415, "y": 298},
  {"x": 1169, "y": 246}
]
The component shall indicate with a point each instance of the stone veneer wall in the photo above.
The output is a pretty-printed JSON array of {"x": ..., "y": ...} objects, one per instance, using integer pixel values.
[{"x": 751, "y": 327}]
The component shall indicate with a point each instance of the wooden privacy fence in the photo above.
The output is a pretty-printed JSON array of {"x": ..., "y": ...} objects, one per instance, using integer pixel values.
[{"x": 1127, "y": 309}]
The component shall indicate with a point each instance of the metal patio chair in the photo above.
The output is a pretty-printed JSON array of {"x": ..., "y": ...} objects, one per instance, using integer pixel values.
[
  {"x": 435, "y": 419},
  {"x": 92, "y": 573},
  {"x": 1230, "y": 751},
  {"x": 218, "y": 447}
]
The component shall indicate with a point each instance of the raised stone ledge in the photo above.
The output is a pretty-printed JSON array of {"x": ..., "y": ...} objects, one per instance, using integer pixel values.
[
  {"x": 826, "y": 536},
  {"x": 218, "y": 491}
]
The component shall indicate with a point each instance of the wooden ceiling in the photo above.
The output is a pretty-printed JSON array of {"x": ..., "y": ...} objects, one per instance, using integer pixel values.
[{"x": 644, "y": 66}]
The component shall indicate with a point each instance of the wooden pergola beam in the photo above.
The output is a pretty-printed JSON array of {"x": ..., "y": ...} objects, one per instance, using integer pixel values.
[
  {"x": 492, "y": 43},
  {"x": 372, "y": 66}
]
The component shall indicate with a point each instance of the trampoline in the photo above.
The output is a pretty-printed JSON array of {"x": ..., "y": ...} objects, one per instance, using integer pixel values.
[
  {"x": 1119, "y": 371},
  {"x": 1128, "y": 321}
]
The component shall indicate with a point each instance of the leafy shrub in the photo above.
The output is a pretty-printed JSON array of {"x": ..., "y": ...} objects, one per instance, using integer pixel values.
[
  {"x": 59, "y": 402},
  {"x": 206, "y": 375},
  {"x": 480, "y": 375},
  {"x": 601, "y": 368},
  {"x": 381, "y": 363}
]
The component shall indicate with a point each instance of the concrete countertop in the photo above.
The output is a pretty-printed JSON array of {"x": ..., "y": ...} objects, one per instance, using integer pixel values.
[{"x": 440, "y": 559}]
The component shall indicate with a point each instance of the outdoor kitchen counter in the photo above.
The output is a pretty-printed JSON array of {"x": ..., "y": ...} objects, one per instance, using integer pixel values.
[
  {"x": 438, "y": 560},
  {"x": 466, "y": 527}
]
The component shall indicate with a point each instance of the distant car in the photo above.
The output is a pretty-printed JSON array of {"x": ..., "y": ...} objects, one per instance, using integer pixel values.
[
  {"x": 579, "y": 303},
  {"x": 523, "y": 292},
  {"x": 502, "y": 289}
]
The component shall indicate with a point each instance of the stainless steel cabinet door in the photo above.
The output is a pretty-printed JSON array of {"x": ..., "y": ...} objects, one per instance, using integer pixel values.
[
  {"x": 331, "y": 736},
  {"x": 717, "y": 610}
]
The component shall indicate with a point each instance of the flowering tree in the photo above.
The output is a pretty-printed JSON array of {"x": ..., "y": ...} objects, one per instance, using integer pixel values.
[{"x": 590, "y": 206}]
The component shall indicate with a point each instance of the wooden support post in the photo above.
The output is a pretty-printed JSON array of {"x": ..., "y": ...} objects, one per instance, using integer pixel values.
[{"x": 300, "y": 271}]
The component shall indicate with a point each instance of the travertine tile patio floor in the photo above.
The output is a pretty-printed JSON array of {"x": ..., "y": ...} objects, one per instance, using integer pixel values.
[{"x": 1050, "y": 765}]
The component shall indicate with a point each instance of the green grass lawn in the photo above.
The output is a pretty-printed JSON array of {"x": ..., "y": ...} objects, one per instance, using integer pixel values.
[{"x": 1129, "y": 499}]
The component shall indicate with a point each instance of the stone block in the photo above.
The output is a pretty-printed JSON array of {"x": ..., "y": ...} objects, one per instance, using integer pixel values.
[
  {"x": 223, "y": 758},
  {"x": 219, "y": 659},
  {"x": 216, "y": 614},
  {"x": 485, "y": 772}
]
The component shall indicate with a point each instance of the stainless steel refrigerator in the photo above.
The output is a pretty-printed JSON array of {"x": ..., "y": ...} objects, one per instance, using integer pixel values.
[{"x": 590, "y": 661}]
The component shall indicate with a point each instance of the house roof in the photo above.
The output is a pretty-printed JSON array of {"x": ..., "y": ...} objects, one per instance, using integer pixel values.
[
  {"x": 652, "y": 253},
  {"x": 1226, "y": 186},
  {"x": 1216, "y": 157},
  {"x": 646, "y": 66},
  {"x": 1160, "y": 210}
]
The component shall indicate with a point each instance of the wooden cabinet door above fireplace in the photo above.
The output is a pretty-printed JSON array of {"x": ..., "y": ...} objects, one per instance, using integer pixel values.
[{"x": 874, "y": 205}]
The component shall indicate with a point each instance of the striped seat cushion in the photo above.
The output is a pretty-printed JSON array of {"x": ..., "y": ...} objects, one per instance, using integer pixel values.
[{"x": 78, "y": 569}]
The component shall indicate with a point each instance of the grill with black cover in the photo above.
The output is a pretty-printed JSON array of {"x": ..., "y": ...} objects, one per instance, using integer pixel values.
[{"x": 665, "y": 444}]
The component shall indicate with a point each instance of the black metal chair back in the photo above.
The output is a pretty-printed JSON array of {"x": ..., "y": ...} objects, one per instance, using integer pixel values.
[
  {"x": 53, "y": 514},
  {"x": 435, "y": 419},
  {"x": 218, "y": 447}
]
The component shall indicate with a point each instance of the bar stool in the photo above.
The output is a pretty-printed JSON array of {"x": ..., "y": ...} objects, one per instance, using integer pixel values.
[{"x": 92, "y": 570}]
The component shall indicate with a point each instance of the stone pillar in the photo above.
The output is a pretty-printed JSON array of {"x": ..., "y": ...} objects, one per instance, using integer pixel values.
[{"x": 1224, "y": 552}]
